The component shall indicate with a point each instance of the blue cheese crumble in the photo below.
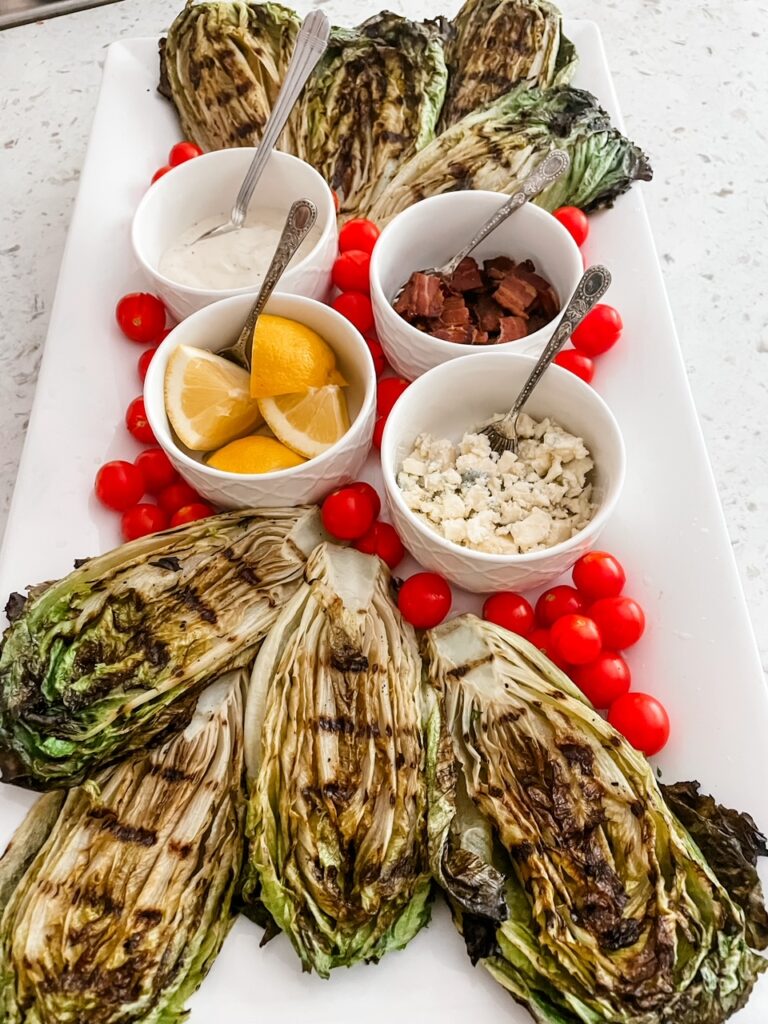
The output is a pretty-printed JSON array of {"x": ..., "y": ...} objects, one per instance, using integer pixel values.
[{"x": 504, "y": 504}]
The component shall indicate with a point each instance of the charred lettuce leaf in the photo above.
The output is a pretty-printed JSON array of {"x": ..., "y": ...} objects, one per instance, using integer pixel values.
[
  {"x": 112, "y": 658},
  {"x": 335, "y": 747},
  {"x": 731, "y": 843},
  {"x": 372, "y": 102},
  {"x": 613, "y": 915},
  {"x": 222, "y": 65},
  {"x": 115, "y": 898},
  {"x": 496, "y": 147},
  {"x": 496, "y": 45}
]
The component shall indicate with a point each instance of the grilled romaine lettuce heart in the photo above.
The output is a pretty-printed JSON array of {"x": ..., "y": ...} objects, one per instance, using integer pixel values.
[
  {"x": 335, "y": 745},
  {"x": 496, "y": 45},
  {"x": 115, "y": 898},
  {"x": 497, "y": 146},
  {"x": 610, "y": 911},
  {"x": 113, "y": 657}
]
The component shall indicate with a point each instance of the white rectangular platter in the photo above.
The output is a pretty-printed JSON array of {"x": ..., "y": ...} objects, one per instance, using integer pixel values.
[{"x": 698, "y": 655}]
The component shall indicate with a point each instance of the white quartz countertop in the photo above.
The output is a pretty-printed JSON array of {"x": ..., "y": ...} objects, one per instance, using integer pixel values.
[{"x": 692, "y": 80}]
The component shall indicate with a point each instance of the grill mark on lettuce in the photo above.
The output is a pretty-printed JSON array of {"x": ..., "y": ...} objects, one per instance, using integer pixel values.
[{"x": 109, "y": 822}]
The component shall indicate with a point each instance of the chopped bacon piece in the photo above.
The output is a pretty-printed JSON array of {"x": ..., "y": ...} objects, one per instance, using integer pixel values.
[
  {"x": 455, "y": 311},
  {"x": 514, "y": 294},
  {"x": 422, "y": 296},
  {"x": 488, "y": 313},
  {"x": 466, "y": 277},
  {"x": 498, "y": 267},
  {"x": 512, "y": 328},
  {"x": 459, "y": 334},
  {"x": 479, "y": 337}
]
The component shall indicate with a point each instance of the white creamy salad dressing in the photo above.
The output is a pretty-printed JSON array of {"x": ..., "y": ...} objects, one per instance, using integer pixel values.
[{"x": 236, "y": 259}]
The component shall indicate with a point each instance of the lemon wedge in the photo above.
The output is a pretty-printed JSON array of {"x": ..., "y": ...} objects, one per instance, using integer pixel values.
[
  {"x": 255, "y": 454},
  {"x": 207, "y": 399},
  {"x": 309, "y": 422},
  {"x": 289, "y": 357}
]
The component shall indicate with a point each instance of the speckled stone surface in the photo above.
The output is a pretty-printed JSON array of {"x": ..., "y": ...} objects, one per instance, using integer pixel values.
[{"x": 692, "y": 80}]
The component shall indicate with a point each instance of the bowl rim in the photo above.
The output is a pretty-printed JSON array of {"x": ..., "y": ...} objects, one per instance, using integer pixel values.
[
  {"x": 595, "y": 524},
  {"x": 382, "y": 304},
  {"x": 154, "y": 393},
  {"x": 227, "y": 293}
]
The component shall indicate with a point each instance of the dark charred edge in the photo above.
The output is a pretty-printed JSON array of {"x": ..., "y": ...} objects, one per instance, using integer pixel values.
[
  {"x": 14, "y": 769},
  {"x": 164, "y": 84},
  {"x": 14, "y": 606},
  {"x": 134, "y": 834},
  {"x": 578, "y": 755},
  {"x": 182, "y": 850},
  {"x": 80, "y": 562},
  {"x": 479, "y": 937},
  {"x": 468, "y": 666},
  {"x": 149, "y": 916},
  {"x": 169, "y": 562}
]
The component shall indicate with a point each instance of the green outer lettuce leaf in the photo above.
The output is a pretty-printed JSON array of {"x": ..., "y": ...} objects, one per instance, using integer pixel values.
[
  {"x": 112, "y": 658},
  {"x": 336, "y": 826},
  {"x": 613, "y": 914},
  {"x": 731, "y": 843},
  {"x": 496, "y": 147},
  {"x": 117, "y": 896},
  {"x": 499, "y": 44}
]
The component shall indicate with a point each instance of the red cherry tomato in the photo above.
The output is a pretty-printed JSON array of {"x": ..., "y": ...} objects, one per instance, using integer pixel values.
[
  {"x": 355, "y": 307},
  {"x": 577, "y": 363},
  {"x": 336, "y": 203},
  {"x": 176, "y": 496},
  {"x": 142, "y": 519},
  {"x": 540, "y": 638},
  {"x": 358, "y": 234},
  {"x": 377, "y": 354},
  {"x": 378, "y": 431},
  {"x": 576, "y": 639},
  {"x": 182, "y": 152},
  {"x": 642, "y": 720},
  {"x": 511, "y": 611},
  {"x": 574, "y": 221},
  {"x": 160, "y": 172},
  {"x": 156, "y": 469},
  {"x": 424, "y": 600},
  {"x": 598, "y": 331},
  {"x": 140, "y": 316},
  {"x": 604, "y": 679},
  {"x": 598, "y": 574},
  {"x": 137, "y": 423},
  {"x": 387, "y": 393},
  {"x": 620, "y": 620},
  {"x": 352, "y": 271},
  {"x": 144, "y": 360},
  {"x": 119, "y": 485},
  {"x": 190, "y": 513},
  {"x": 347, "y": 513},
  {"x": 556, "y": 602},
  {"x": 371, "y": 493},
  {"x": 382, "y": 540}
]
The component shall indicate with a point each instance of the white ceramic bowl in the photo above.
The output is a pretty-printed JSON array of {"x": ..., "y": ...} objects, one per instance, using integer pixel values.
[
  {"x": 217, "y": 326},
  {"x": 206, "y": 187},
  {"x": 451, "y": 399},
  {"x": 428, "y": 233}
]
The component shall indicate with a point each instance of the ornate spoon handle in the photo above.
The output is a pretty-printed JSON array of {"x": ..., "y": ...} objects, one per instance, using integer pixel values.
[{"x": 549, "y": 170}]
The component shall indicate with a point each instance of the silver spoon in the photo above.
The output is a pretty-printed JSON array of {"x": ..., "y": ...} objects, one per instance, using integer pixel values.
[
  {"x": 311, "y": 44},
  {"x": 502, "y": 433},
  {"x": 301, "y": 217},
  {"x": 548, "y": 171}
]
